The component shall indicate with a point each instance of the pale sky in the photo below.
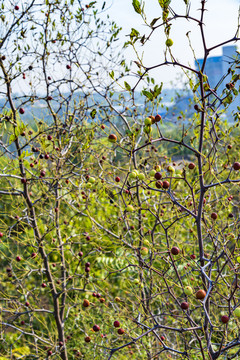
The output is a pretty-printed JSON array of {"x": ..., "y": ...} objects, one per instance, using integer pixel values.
[{"x": 220, "y": 20}]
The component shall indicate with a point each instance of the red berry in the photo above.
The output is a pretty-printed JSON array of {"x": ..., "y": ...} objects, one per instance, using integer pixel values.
[
  {"x": 236, "y": 166},
  {"x": 184, "y": 305},
  {"x": 49, "y": 352},
  {"x": 120, "y": 331},
  {"x": 16, "y": 7},
  {"x": 49, "y": 137},
  {"x": 158, "y": 184},
  {"x": 193, "y": 256},
  {"x": 112, "y": 138},
  {"x": 22, "y": 111},
  {"x": 80, "y": 253},
  {"x": 87, "y": 339},
  {"x": 49, "y": 98},
  {"x": 116, "y": 324},
  {"x": 18, "y": 258},
  {"x": 165, "y": 184},
  {"x": 42, "y": 173},
  {"x": 22, "y": 322},
  {"x": 33, "y": 255},
  {"x": 117, "y": 179},
  {"x": 158, "y": 176},
  {"x": 162, "y": 338},
  {"x": 68, "y": 67},
  {"x": 96, "y": 328},
  {"x": 157, "y": 118},
  {"x": 102, "y": 127},
  {"x": 44, "y": 285},
  {"x": 175, "y": 250},
  {"x": 1, "y": 234},
  {"x": 200, "y": 294},
  {"x": 225, "y": 319},
  {"x": 191, "y": 166},
  {"x": 214, "y": 216}
]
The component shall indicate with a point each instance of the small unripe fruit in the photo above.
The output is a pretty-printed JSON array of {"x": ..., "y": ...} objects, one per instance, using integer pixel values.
[
  {"x": 96, "y": 328},
  {"x": 152, "y": 172},
  {"x": 175, "y": 250},
  {"x": 91, "y": 180},
  {"x": 147, "y": 129},
  {"x": 225, "y": 319},
  {"x": 130, "y": 208},
  {"x": 200, "y": 294},
  {"x": 116, "y": 324},
  {"x": 141, "y": 176},
  {"x": 120, "y": 331},
  {"x": 236, "y": 166},
  {"x": 170, "y": 169},
  {"x": 214, "y": 216},
  {"x": 117, "y": 299},
  {"x": 148, "y": 121},
  {"x": 144, "y": 251},
  {"x": 169, "y": 42},
  {"x": 191, "y": 166},
  {"x": 188, "y": 290},
  {"x": 184, "y": 305},
  {"x": 112, "y": 138}
]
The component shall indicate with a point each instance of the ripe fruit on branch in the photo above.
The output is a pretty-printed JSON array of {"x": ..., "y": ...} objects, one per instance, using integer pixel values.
[
  {"x": 117, "y": 179},
  {"x": 175, "y": 250},
  {"x": 184, "y": 305},
  {"x": 116, "y": 324},
  {"x": 141, "y": 176},
  {"x": 236, "y": 166},
  {"x": 191, "y": 166},
  {"x": 147, "y": 129},
  {"x": 1, "y": 234},
  {"x": 33, "y": 255},
  {"x": 18, "y": 258},
  {"x": 22, "y": 111},
  {"x": 68, "y": 67},
  {"x": 159, "y": 184},
  {"x": 214, "y": 216},
  {"x": 188, "y": 290},
  {"x": 169, "y": 42},
  {"x": 96, "y": 328},
  {"x": 16, "y": 7},
  {"x": 158, "y": 176},
  {"x": 44, "y": 285},
  {"x": 87, "y": 339},
  {"x": 165, "y": 184},
  {"x": 86, "y": 303},
  {"x": 91, "y": 180},
  {"x": 225, "y": 319},
  {"x": 120, "y": 331},
  {"x": 158, "y": 118},
  {"x": 200, "y": 294},
  {"x": 193, "y": 256},
  {"x": 152, "y": 172},
  {"x": 112, "y": 138}
]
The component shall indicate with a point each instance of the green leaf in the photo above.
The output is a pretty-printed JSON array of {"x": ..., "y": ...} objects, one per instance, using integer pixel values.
[
  {"x": 148, "y": 94},
  {"x": 153, "y": 22},
  {"x": 93, "y": 113},
  {"x": 137, "y": 6},
  {"x": 127, "y": 86},
  {"x": 111, "y": 74}
]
